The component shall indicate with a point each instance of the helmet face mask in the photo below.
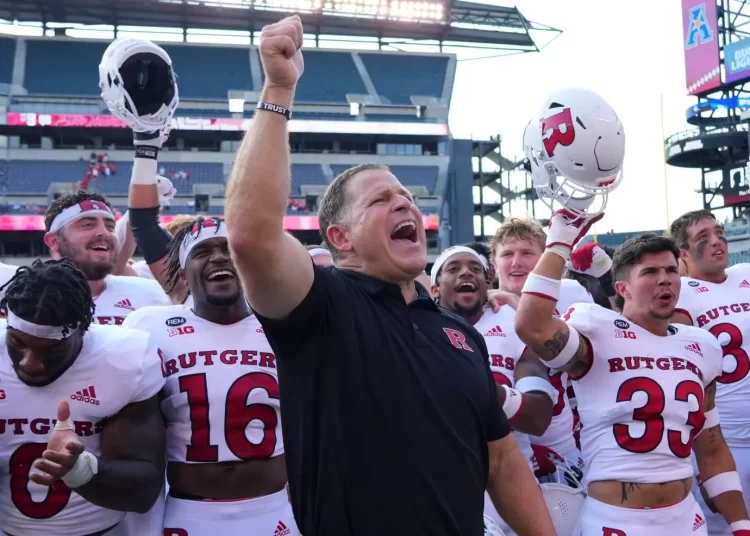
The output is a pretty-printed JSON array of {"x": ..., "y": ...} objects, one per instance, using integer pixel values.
[
  {"x": 575, "y": 149},
  {"x": 564, "y": 494},
  {"x": 139, "y": 85}
]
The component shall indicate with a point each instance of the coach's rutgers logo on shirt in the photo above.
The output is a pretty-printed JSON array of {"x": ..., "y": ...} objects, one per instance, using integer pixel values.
[{"x": 457, "y": 339}]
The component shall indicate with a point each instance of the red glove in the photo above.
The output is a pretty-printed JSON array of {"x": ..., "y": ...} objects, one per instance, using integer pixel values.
[
  {"x": 543, "y": 461},
  {"x": 577, "y": 427},
  {"x": 566, "y": 229},
  {"x": 590, "y": 259}
]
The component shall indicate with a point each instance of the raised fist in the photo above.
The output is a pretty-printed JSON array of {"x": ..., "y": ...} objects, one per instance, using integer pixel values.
[{"x": 281, "y": 54}]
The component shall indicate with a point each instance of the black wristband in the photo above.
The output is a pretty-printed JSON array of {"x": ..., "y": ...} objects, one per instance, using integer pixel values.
[
  {"x": 270, "y": 107},
  {"x": 146, "y": 151},
  {"x": 605, "y": 282}
]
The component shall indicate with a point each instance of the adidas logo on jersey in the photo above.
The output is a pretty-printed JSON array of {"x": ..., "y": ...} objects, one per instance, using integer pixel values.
[
  {"x": 744, "y": 284},
  {"x": 87, "y": 395},
  {"x": 495, "y": 332},
  {"x": 695, "y": 348},
  {"x": 125, "y": 304},
  {"x": 281, "y": 530},
  {"x": 699, "y": 522}
]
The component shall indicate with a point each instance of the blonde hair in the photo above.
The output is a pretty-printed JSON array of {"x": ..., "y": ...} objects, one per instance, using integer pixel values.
[
  {"x": 178, "y": 223},
  {"x": 518, "y": 229}
]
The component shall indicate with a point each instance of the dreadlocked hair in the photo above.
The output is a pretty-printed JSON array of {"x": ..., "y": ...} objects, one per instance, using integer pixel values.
[
  {"x": 51, "y": 293},
  {"x": 173, "y": 253}
]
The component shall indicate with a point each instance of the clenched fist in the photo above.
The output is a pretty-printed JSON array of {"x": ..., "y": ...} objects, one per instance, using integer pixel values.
[{"x": 281, "y": 54}]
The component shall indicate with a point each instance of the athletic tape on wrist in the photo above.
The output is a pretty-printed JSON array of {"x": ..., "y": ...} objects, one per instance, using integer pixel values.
[
  {"x": 570, "y": 349},
  {"x": 740, "y": 525},
  {"x": 721, "y": 483},
  {"x": 513, "y": 402},
  {"x": 712, "y": 419},
  {"x": 85, "y": 468},
  {"x": 67, "y": 424},
  {"x": 144, "y": 172},
  {"x": 560, "y": 250},
  {"x": 545, "y": 287},
  {"x": 535, "y": 384}
]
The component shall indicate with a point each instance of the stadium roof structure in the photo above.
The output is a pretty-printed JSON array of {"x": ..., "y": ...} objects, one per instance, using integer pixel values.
[{"x": 450, "y": 22}]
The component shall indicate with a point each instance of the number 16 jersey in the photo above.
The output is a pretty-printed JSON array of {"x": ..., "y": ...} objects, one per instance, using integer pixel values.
[{"x": 221, "y": 397}]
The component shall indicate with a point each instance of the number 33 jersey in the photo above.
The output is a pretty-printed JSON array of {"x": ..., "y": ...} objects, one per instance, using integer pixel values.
[
  {"x": 724, "y": 311},
  {"x": 641, "y": 401},
  {"x": 221, "y": 397}
]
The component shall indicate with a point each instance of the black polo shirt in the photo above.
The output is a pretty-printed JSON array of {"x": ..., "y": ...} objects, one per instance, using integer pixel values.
[{"x": 386, "y": 410}]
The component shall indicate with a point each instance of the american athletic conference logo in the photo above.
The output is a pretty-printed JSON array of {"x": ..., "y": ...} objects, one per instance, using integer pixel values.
[{"x": 699, "y": 31}]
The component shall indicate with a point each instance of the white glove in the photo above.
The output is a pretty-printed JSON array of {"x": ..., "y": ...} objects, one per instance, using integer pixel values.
[
  {"x": 565, "y": 230},
  {"x": 165, "y": 188},
  {"x": 590, "y": 259}
]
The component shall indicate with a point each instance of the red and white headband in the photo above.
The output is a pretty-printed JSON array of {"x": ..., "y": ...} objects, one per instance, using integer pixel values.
[
  {"x": 319, "y": 251},
  {"x": 38, "y": 330},
  {"x": 448, "y": 253},
  {"x": 209, "y": 228},
  {"x": 80, "y": 210}
]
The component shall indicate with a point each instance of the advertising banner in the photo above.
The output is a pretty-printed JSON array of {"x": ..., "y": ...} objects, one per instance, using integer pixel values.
[
  {"x": 737, "y": 61},
  {"x": 701, "y": 42}
]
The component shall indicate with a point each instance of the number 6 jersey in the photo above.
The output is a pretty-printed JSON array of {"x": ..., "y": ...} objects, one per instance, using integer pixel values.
[
  {"x": 641, "y": 401},
  {"x": 221, "y": 397},
  {"x": 723, "y": 310}
]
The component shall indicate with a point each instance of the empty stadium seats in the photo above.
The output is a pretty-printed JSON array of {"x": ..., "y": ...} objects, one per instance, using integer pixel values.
[
  {"x": 398, "y": 77},
  {"x": 408, "y": 175},
  {"x": 7, "y": 54}
]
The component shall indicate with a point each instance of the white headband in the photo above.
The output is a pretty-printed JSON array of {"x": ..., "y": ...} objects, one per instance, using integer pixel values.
[
  {"x": 448, "y": 253},
  {"x": 319, "y": 251},
  {"x": 87, "y": 207},
  {"x": 200, "y": 233},
  {"x": 37, "y": 330}
]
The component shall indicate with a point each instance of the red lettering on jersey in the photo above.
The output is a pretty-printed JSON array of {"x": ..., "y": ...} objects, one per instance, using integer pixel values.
[
  {"x": 17, "y": 425},
  {"x": 208, "y": 355},
  {"x": 496, "y": 360},
  {"x": 725, "y": 310},
  {"x": 84, "y": 429},
  {"x": 558, "y": 137},
  {"x": 187, "y": 360},
  {"x": 248, "y": 357},
  {"x": 175, "y": 532},
  {"x": 2, "y": 394},
  {"x": 606, "y": 531},
  {"x": 267, "y": 360},
  {"x": 457, "y": 339},
  {"x": 110, "y": 320},
  {"x": 621, "y": 364},
  {"x": 700, "y": 290},
  {"x": 161, "y": 358},
  {"x": 40, "y": 426},
  {"x": 228, "y": 357},
  {"x": 170, "y": 367},
  {"x": 623, "y": 334},
  {"x": 183, "y": 330}
]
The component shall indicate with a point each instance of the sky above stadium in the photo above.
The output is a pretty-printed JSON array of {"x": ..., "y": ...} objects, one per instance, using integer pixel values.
[{"x": 631, "y": 53}]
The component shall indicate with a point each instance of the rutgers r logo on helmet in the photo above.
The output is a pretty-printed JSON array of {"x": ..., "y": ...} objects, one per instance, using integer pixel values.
[{"x": 575, "y": 147}]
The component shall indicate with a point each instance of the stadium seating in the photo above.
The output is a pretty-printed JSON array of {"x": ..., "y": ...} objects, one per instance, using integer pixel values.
[
  {"x": 63, "y": 67},
  {"x": 209, "y": 72},
  {"x": 302, "y": 174},
  {"x": 398, "y": 77},
  {"x": 7, "y": 54},
  {"x": 408, "y": 175},
  {"x": 328, "y": 78}
]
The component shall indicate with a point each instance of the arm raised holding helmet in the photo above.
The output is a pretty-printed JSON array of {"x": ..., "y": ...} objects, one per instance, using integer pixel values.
[
  {"x": 275, "y": 269},
  {"x": 139, "y": 87}
]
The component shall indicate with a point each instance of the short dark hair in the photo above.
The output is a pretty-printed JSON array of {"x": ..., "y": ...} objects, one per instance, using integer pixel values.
[
  {"x": 52, "y": 293},
  {"x": 632, "y": 251},
  {"x": 678, "y": 231},
  {"x": 333, "y": 203},
  {"x": 483, "y": 249},
  {"x": 65, "y": 201}
]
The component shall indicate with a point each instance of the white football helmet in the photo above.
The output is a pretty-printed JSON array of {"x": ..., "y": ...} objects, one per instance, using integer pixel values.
[
  {"x": 138, "y": 84},
  {"x": 564, "y": 495},
  {"x": 491, "y": 528},
  {"x": 574, "y": 151}
]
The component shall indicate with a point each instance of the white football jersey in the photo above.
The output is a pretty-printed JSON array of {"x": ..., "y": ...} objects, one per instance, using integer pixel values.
[
  {"x": 723, "y": 310},
  {"x": 115, "y": 367},
  {"x": 641, "y": 402},
  {"x": 505, "y": 349},
  {"x": 142, "y": 269},
  {"x": 221, "y": 398},
  {"x": 123, "y": 295},
  {"x": 559, "y": 435}
]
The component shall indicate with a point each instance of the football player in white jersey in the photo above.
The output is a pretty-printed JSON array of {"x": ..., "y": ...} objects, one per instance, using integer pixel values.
[
  {"x": 645, "y": 390},
  {"x": 80, "y": 426},
  {"x": 516, "y": 248},
  {"x": 460, "y": 278},
  {"x": 717, "y": 299},
  {"x": 81, "y": 227},
  {"x": 226, "y": 468}
]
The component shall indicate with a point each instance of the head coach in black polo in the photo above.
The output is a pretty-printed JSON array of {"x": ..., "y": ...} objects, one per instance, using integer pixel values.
[{"x": 389, "y": 411}]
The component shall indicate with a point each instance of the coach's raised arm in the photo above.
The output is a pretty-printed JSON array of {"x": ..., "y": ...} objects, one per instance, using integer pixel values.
[{"x": 275, "y": 269}]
